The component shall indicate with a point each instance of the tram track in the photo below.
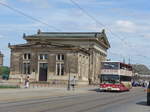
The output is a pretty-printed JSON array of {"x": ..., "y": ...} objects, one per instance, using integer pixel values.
[
  {"x": 70, "y": 101},
  {"x": 49, "y": 100},
  {"x": 109, "y": 101}
]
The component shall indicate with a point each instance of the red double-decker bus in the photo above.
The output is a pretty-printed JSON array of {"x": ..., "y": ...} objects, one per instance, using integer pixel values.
[{"x": 115, "y": 76}]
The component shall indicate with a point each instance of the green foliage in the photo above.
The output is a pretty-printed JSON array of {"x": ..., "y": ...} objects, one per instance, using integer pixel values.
[
  {"x": 141, "y": 69},
  {"x": 40, "y": 82},
  {"x": 8, "y": 86},
  {"x": 4, "y": 70}
]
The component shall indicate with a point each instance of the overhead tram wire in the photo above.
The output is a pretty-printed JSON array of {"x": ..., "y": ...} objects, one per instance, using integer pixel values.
[
  {"x": 133, "y": 60},
  {"x": 28, "y": 16},
  {"x": 98, "y": 22},
  {"x": 101, "y": 24},
  {"x": 35, "y": 19},
  {"x": 93, "y": 18},
  {"x": 52, "y": 27}
]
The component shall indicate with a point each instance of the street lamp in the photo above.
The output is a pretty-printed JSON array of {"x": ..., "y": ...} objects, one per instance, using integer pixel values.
[
  {"x": 68, "y": 88},
  {"x": 68, "y": 83}
]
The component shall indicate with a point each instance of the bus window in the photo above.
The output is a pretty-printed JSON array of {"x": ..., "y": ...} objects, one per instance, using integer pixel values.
[
  {"x": 110, "y": 78},
  {"x": 109, "y": 65},
  {"x": 125, "y": 78}
]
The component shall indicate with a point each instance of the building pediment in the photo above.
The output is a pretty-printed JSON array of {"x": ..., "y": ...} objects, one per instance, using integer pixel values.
[
  {"x": 42, "y": 45},
  {"x": 104, "y": 41}
]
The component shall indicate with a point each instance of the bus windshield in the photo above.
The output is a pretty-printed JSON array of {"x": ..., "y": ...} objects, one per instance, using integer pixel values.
[{"x": 108, "y": 78}]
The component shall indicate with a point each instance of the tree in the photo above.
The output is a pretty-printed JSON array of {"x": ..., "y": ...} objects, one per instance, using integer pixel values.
[{"x": 4, "y": 72}]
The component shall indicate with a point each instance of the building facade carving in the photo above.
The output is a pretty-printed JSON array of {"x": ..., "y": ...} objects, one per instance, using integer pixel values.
[{"x": 53, "y": 56}]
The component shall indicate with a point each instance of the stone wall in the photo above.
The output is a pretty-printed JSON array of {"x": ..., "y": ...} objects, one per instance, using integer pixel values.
[{"x": 74, "y": 61}]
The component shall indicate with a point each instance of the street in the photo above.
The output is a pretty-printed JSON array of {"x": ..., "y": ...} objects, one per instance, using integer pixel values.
[{"x": 90, "y": 101}]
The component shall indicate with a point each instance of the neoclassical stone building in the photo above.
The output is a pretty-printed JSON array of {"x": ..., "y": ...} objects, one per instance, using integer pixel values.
[
  {"x": 1, "y": 59},
  {"x": 54, "y": 56}
]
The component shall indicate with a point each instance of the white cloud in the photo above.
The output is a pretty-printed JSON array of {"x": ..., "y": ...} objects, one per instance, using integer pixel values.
[
  {"x": 145, "y": 35},
  {"x": 3, "y": 1},
  {"x": 126, "y": 26},
  {"x": 90, "y": 2},
  {"x": 14, "y": 27},
  {"x": 27, "y": 0},
  {"x": 1, "y": 36},
  {"x": 38, "y": 3}
]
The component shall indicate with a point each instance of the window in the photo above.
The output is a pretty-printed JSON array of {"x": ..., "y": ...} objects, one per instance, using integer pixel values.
[
  {"x": 27, "y": 56},
  {"x": 109, "y": 65},
  {"x": 60, "y": 64},
  {"x": 43, "y": 56},
  {"x": 109, "y": 78},
  {"x": 125, "y": 78},
  {"x": 46, "y": 56},
  {"x": 62, "y": 69},
  {"x": 62, "y": 57},
  {"x": 59, "y": 69},
  {"x": 59, "y": 57},
  {"x": 26, "y": 68}
]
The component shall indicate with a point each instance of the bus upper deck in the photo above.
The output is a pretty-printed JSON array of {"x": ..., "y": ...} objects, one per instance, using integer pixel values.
[{"x": 116, "y": 68}]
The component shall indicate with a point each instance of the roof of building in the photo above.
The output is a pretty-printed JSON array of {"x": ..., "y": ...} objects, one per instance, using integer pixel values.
[{"x": 68, "y": 35}]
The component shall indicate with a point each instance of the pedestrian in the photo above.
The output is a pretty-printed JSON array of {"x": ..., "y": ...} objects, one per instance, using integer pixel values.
[
  {"x": 21, "y": 79},
  {"x": 73, "y": 82},
  {"x": 146, "y": 84},
  {"x": 27, "y": 82}
]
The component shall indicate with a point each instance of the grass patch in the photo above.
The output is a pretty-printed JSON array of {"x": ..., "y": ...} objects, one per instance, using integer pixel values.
[
  {"x": 8, "y": 86},
  {"x": 40, "y": 82}
]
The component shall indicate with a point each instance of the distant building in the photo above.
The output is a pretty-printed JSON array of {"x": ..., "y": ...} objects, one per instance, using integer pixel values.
[
  {"x": 1, "y": 59},
  {"x": 53, "y": 56}
]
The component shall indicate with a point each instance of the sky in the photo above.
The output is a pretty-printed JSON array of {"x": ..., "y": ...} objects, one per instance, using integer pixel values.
[{"x": 126, "y": 23}]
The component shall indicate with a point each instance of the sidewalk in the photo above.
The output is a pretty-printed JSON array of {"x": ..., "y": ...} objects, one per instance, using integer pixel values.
[{"x": 11, "y": 95}]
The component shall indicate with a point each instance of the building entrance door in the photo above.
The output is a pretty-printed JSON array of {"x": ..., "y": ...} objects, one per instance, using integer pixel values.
[{"x": 43, "y": 68}]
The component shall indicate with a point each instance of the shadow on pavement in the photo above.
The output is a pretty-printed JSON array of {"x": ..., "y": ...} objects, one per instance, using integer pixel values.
[
  {"x": 144, "y": 103},
  {"x": 98, "y": 90}
]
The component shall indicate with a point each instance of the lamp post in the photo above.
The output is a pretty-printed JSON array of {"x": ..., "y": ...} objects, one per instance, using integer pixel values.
[
  {"x": 68, "y": 83},
  {"x": 68, "y": 87}
]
